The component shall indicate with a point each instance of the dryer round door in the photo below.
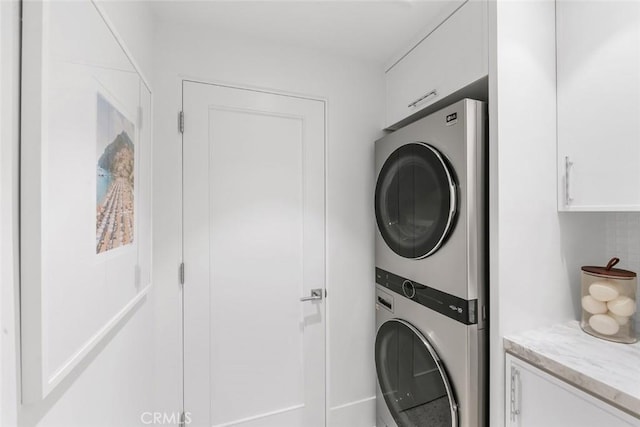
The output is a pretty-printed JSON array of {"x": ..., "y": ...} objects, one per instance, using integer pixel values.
[
  {"x": 412, "y": 379},
  {"x": 416, "y": 200}
]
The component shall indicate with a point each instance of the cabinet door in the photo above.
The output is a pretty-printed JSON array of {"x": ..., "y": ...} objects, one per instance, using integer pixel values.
[
  {"x": 598, "y": 60},
  {"x": 535, "y": 398},
  {"x": 453, "y": 56}
]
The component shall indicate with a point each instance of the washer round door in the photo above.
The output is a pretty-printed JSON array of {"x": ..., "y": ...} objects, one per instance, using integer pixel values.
[
  {"x": 412, "y": 379},
  {"x": 416, "y": 200}
]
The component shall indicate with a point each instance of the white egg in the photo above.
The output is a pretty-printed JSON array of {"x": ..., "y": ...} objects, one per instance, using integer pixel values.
[
  {"x": 603, "y": 291},
  {"x": 622, "y": 320},
  {"x": 622, "y": 306},
  {"x": 603, "y": 324},
  {"x": 593, "y": 306}
]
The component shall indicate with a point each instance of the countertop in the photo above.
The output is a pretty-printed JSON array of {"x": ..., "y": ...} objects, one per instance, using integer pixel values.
[{"x": 607, "y": 370}]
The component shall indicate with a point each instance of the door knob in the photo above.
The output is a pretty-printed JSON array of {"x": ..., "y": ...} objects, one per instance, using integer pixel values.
[{"x": 316, "y": 294}]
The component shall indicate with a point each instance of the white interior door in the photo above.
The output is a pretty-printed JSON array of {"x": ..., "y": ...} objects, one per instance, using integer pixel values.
[{"x": 254, "y": 221}]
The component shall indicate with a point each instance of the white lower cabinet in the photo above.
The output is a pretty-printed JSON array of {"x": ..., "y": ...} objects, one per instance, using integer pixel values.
[{"x": 537, "y": 399}]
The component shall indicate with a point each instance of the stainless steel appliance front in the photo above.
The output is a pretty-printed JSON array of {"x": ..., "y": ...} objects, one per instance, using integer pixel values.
[
  {"x": 431, "y": 369},
  {"x": 431, "y": 270},
  {"x": 431, "y": 201}
]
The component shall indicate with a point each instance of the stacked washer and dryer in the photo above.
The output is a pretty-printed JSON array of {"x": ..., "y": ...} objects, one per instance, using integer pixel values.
[{"x": 431, "y": 270}]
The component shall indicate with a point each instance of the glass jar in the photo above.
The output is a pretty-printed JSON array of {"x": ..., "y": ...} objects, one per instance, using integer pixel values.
[{"x": 609, "y": 303}]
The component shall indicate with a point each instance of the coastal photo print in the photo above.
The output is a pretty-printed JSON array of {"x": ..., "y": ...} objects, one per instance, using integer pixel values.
[{"x": 114, "y": 178}]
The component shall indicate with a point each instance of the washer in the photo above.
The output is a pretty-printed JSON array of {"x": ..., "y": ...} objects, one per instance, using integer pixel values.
[
  {"x": 431, "y": 270},
  {"x": 431, "y": 368}
]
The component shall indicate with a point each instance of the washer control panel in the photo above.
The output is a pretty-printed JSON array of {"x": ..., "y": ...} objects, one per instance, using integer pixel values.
[
  {"x": 408, "y": 289},
  {"x": 384, "y": 300},
  {"x": 462, "y": 310}
]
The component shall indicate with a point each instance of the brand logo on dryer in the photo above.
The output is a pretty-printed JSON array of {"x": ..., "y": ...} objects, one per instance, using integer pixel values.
[{"x": 451, "y": 119}]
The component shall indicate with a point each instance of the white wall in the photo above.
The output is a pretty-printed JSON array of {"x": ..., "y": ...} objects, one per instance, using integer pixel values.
[
  {"x": 623, "y": 239},
  {"x": 113, "y": 386},
  {"x": 536, "y": 253},
  {"x": 355, "y": 112}
]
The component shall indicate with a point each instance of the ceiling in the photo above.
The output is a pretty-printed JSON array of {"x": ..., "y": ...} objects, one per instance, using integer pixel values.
[{"x": 369, "y": 30}]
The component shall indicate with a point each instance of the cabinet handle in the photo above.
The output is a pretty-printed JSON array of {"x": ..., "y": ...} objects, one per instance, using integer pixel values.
[
  {"x": 515, "y": 394},
  {"x": 422, "y": 98},
  {"x": 567, "y": 181}
]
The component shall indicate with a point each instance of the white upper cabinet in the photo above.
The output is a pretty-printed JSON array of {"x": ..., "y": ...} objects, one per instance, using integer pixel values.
[
  {"x": 451, "y": 57},
  {"x": 598, "y": 60},
  {"x": 535, "y": 399}
]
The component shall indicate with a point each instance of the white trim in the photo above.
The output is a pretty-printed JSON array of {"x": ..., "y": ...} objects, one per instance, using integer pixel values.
[
  {"x": 9, "y": 213},
  {"x": 257, "y": 417},
  {"x": 600, "y": 208},
  {"x": 359, "y": 413},
  {"x": 355, "y": 402},
  {"x": 327, "y": 359},
  {"x": 36, "y": 384},
  {"x": 32, "y": 372},
  {"x": 232, "y": 85},
  {"x": 74, "y": 360},
  {"x": 120, "y": 40}
]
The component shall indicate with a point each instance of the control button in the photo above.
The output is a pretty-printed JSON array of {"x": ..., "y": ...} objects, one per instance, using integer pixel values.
[{"x": 408, "y": 289}]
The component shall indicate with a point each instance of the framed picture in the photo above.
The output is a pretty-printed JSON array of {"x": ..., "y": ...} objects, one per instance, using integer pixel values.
[
  {"x": 115, "y": 178},
  {"x": 86, "y": 189}
]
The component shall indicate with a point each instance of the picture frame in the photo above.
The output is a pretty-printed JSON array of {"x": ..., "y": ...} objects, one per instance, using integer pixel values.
[{"x": 85, "y": 253}]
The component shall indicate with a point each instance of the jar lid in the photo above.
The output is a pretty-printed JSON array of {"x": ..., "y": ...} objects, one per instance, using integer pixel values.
[{"x": 609, "y": 270}]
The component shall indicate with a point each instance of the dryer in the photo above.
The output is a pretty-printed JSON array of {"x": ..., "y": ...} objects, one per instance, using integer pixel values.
[
  {"x": 431, "y": 203},
  {"x": 431, "y": 270}
]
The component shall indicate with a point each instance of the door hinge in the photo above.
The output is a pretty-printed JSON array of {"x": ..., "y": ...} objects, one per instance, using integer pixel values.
[
  {"x": 514, "y": 404},
  {"x": 181, "y": 122},
  {"x": 181, "y": 273}
]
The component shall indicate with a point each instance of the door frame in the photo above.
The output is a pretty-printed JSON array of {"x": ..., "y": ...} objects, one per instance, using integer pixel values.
[{"x": 183, "y": 78}]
